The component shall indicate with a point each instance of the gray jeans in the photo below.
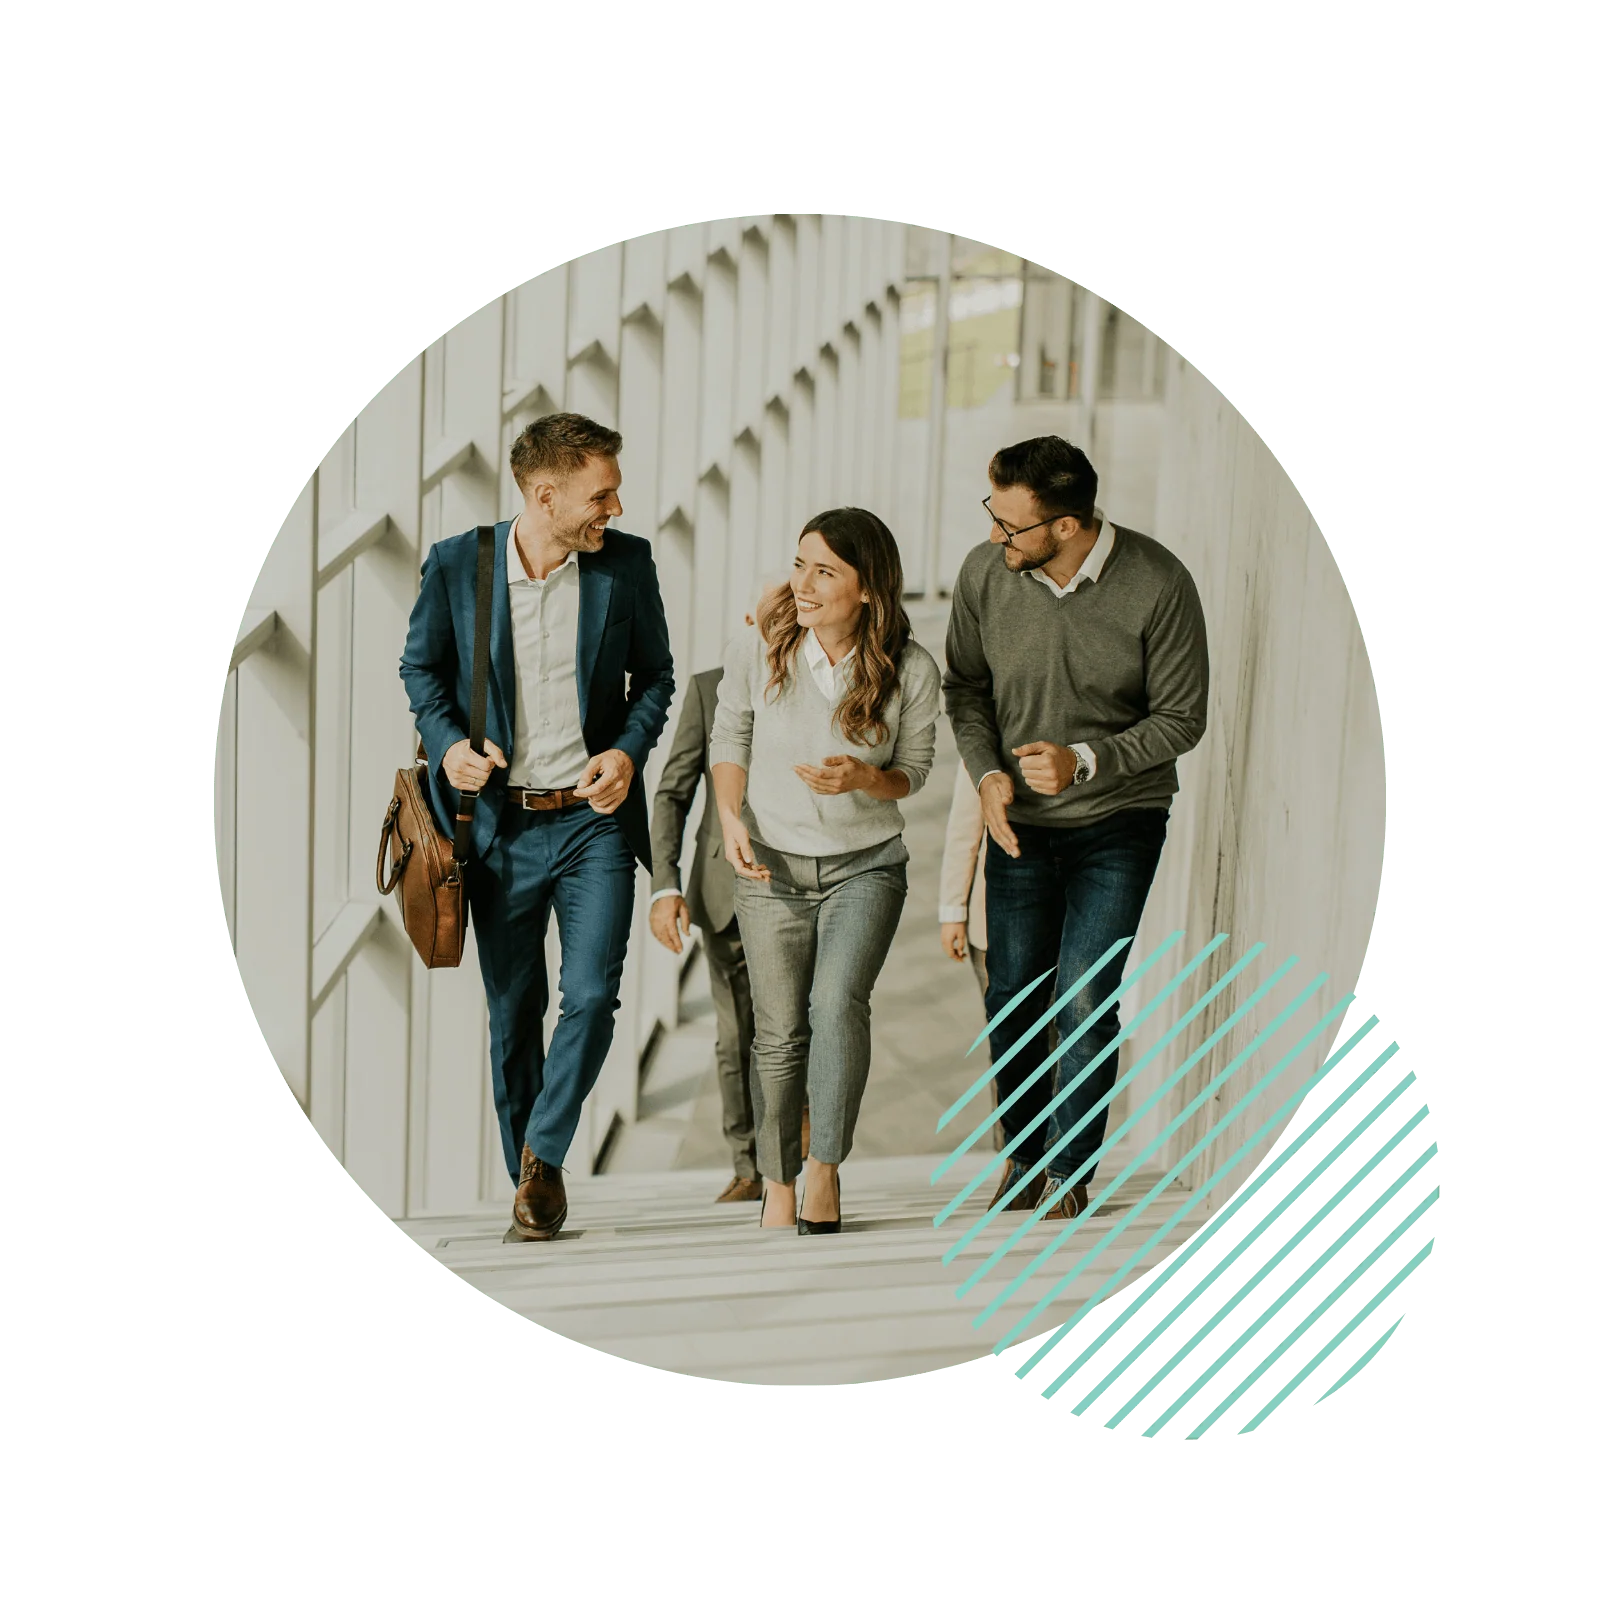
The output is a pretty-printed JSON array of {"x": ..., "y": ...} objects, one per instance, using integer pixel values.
[
  {"x": 815, "y": 939},
  {"x": 730, "y": 993}
]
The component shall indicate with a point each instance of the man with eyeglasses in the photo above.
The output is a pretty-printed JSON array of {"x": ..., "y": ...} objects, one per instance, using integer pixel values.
[{"x": 1076, "y": 675}]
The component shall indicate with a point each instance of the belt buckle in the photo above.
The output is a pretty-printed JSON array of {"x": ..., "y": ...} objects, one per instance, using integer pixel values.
[{"x": 528, "y": 798}]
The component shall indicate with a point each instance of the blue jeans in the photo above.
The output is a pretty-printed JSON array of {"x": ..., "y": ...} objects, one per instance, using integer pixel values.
[
  {"x": 577, "y": 863},
  {"x": 1073, "y": 892}
]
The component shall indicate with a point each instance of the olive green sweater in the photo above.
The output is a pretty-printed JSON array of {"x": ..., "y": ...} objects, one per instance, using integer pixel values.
[{"x": 1119, "y": 664}]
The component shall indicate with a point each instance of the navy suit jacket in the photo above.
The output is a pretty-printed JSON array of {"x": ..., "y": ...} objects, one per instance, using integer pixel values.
[{"x": 624, "y": 668}]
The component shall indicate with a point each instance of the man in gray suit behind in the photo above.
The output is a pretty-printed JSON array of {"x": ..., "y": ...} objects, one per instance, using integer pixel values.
[{"x": 707, "y": 902}]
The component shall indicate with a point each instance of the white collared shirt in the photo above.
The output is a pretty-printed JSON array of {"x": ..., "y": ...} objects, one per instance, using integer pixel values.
[
  {"x": 1093, "y": 565},
  {"x": 830, "y": 676},
  {"x": 1089, "y": 572},
  {"x": 548, "y": 751}
]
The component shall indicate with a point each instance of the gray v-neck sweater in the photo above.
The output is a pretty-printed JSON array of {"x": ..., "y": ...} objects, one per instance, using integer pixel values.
[
  {"x": 770, "y": 737},
  {"x": 1119, "y": 664}
]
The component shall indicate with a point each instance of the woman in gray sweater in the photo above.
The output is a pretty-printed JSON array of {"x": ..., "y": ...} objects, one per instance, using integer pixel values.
[{"x": 825, "y": 718}]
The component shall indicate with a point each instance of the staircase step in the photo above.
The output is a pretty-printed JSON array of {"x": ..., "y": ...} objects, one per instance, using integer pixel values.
[{"x": 653, "y": 1270}]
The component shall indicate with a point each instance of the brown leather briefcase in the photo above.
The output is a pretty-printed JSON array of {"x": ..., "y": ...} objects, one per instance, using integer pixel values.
[{"x": 415, "y": 855}]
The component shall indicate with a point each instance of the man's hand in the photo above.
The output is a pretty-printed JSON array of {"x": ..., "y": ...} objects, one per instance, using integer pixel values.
[
  {"x": 953, "y": 936},
  {"x": 605, "y": 781},
  {"x": 467, "y": 773},
  {"x": 995, "y": 793},
  {"x": 1046, "y": 768},
  {"x": 838, "y": 775},
  {"x": 669, "y": 921}
]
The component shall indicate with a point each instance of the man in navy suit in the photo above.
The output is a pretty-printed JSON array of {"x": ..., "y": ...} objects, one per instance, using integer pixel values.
[{"x": 580, "y": 679}]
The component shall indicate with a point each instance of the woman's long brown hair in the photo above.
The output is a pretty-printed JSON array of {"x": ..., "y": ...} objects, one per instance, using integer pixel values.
[{"x": 859, "y": 540}]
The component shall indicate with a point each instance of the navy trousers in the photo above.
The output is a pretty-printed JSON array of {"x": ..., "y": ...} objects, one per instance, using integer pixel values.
[
  {"x": 1073, "y": 892},
  {"x": 577, "y": 863}
]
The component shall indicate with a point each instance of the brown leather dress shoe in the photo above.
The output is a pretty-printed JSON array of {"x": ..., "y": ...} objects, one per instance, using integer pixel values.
[
  {"x": 541, "y": 1203},
  {"x": 741, "y": 1189},
  {"x": 1070, "y": 1203},
  {"x": 1031, "y": 1191}
]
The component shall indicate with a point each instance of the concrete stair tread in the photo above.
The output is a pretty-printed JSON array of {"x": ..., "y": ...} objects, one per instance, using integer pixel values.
[{"x": 654, "y": 1270}]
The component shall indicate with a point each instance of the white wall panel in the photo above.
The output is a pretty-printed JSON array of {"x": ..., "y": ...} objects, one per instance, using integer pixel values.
[
  {"x": 680, "y": 400},
  {"x": 718, "y": 363},
  {"x": 375, "y": 1069},
  {"x": 272, "y": 867},
  {"x": 686, "y": 254},
  {"x": 780, "y": 308},
  {"x": 226, "y": 796},
  {"x": 776, "y": 533},
  {"x": 536, "y": 343},
  {"x": 711, "y": 536},
  {"x": 847, "y": 434},
  {"x": 831, "y": 295},
  {"x": 594, "y": 303},
  {"x": 810, "y": 320},
  {"x": 802, "y": 433},
  {"x": 644, "y": 276},
  {"x": 751, "y": 319},
  {"x": 887, "y": 470},
  {"x": 594, "y": 320},
  {"x": 744, "y": 522},
  {"x": 1277, "y": 832},
  {"x": 825, "y": 433}
]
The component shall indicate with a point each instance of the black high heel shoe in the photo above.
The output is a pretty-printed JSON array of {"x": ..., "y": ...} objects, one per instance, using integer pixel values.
[{"x": 803, "y": 1226}]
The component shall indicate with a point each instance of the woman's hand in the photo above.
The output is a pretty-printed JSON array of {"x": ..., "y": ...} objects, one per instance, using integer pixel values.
[
  {"x": 839, "y": 775},
  {"x": 953, "y": 936},
  {"x": 736, "y": 848}
]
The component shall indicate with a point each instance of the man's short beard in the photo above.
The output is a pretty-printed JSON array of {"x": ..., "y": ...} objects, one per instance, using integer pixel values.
[
  {"x": 575, "y": 537},
  {"x": 1033, "y": 563}
]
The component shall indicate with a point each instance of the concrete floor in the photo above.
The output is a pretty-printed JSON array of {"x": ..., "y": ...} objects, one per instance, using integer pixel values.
[{"x": 652, "y": 1270}]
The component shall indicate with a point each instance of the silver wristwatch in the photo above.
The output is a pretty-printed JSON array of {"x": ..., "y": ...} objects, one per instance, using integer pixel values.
[{"x": 1081, "y": 771}]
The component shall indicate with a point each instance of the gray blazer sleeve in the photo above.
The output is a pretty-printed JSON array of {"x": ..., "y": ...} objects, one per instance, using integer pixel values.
[{"x": 680, "y": 777}]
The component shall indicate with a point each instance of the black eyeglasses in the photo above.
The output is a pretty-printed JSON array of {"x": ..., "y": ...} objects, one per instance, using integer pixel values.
[{"x": 1008, "y": 534}]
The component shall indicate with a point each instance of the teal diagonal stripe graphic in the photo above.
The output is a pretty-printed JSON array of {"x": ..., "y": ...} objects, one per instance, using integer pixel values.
[{"x": 1190, "y": 1291}]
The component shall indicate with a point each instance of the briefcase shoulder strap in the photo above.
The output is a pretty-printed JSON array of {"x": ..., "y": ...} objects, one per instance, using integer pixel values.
[{"x": 483, "y": 615}]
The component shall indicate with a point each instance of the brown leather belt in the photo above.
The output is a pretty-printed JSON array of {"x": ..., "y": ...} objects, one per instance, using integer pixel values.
[{"x": 542, "y": 799}]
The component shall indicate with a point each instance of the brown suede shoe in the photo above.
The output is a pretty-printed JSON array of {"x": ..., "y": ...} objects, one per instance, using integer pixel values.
[
  {"x": 541, "y": 1203},
  {"x": 741, "y": 1189},
  {"x": 1031, "y": 1192},
  {"x": 1070, "y": 1203}
]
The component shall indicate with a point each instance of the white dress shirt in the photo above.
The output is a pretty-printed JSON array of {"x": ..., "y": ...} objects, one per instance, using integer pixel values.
[
  {"x": 1089, "y": 572},
  {"x": 830, "y": 676},
  {"x": 548, "y": 750},
  {"x": 1093, "y": 564}
]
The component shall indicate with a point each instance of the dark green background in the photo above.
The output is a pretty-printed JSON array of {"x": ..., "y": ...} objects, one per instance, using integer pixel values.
[{"x": 224, "y": 226}]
